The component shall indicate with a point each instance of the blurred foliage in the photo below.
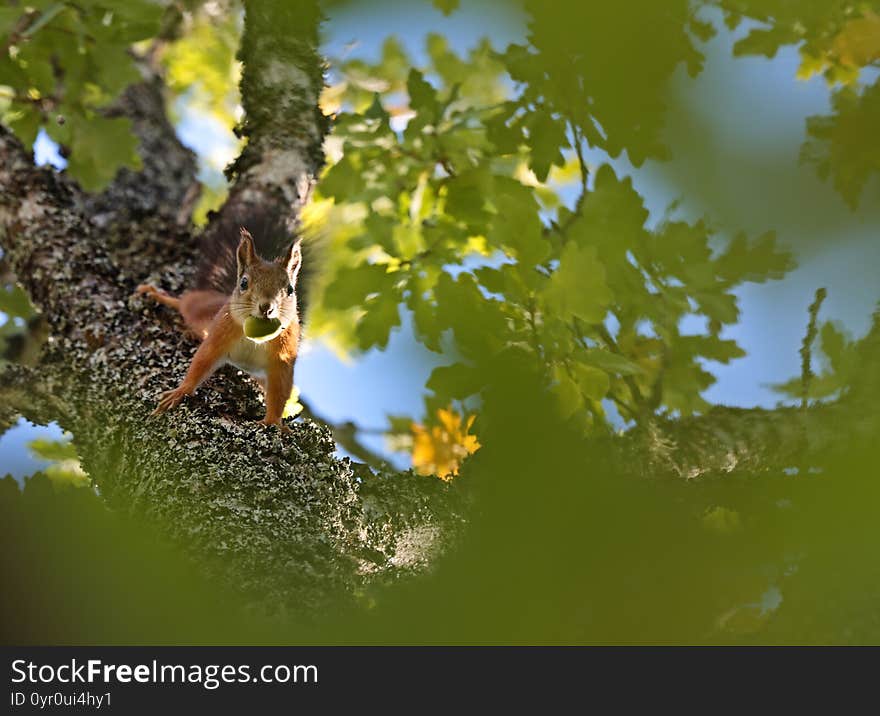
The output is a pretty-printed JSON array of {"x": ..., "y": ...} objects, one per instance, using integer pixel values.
[
  {"x": 61, "y": 64},
  {"x": 446, "y": 6},
  {"x": 79, "y": 574},
  {"x": 202, "y": 74},
  {"x": 836, "y": 37},
  {"x": 840, "y": 366},
  {"x": 844, "y": 145},
  {"x": 839, "y": 39},
  {"x": 202, "y": 63},
  {"x": 21, "y": 330},
  {"x": 64, "y": 467}
]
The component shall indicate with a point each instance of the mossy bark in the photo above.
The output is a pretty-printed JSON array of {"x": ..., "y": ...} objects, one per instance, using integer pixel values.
[{"x": 275, "y": 514}]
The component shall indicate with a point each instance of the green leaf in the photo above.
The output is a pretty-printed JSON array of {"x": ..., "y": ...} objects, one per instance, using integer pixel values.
[
  {"x": 834, "y": 343},
  {"x": 506, "y": 280},
  {"x": 522, "y": 65},
  {"x": 764, "y": 41},
  {"x": 422, "y": 96},
  {"x": 612, "y": 363},
  {"x": 592, "y": 382},
  {"x": 26, "y": 125},
  {"x": 465, "y": 197},
  {"x": 14, "y": 302},
  {"x": 844, "y": 146},
  {"x": 577, "y": 287},
  {"x": 112, "y": 67},
  {"x": 546, "y": 140},
  {"x": 45, "y": 17},
  {"x": 9, "y": 17},
  {"x": 710, "y": 348},
  {"x": 39, "y": 72},
  {"x": 756, "y": 261},
  {"x": 447, "y": 7},
  {"x": 382, "y": 314},
  {"x": 428, "y": 327},
  {"x": 705, "y": 31},
  {"x": 720, "y": 307},
  {"x": 568, "y": 394},
  {"x": 516, "y": 225},
  {"x": 456, "y": 381},
  {"x": 99, "y": 148},
  {"x": 133, "y": 20},
  {"x": 504, "y": 133},
  {"x": 352, "y": 286},
  {"x": 53, "y": 449},
  {"x": 342, "y": 181},
  {"x": 376, "y": 110},
  {"x": 378, "y": 231},
  {"x": 841, "y": 352},
  {"x": 479, "y": 325},
  {"x": 612, "y": 216}
]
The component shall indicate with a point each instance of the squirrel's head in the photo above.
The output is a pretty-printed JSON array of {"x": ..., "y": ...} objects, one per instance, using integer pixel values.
[{"x": 265, "y": 289}]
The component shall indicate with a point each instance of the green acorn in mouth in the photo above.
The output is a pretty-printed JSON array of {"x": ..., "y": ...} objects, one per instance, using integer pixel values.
[{"x": 260, "y": 330}]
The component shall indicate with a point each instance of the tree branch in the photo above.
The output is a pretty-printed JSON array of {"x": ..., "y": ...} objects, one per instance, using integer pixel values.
[
  {"x": 165, "y": 188},
  {"x": 275, "y": 514},
  {"x": 345, "y": 435},
  {"x": 281, "y": 82}
]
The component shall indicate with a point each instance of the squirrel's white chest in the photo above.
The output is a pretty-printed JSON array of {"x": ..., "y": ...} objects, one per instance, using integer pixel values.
[{"x": 248, "y": 356}]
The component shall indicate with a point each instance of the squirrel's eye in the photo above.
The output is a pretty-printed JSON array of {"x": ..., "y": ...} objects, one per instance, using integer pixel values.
[
  {"x": 244, "y": 283},
  {"x": 290, "y": 289}
]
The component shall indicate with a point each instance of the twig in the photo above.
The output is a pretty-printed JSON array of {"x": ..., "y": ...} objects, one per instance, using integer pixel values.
[
  {"x": 346, "y": 436},
  {"x": 579, "y": 150},
  {"x": 807, "y": 347}
]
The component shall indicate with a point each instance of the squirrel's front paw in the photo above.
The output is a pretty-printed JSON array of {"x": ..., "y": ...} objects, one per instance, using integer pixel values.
[
  {"x": 168, "y": 400},
  {"x": 147, "y": 289}
]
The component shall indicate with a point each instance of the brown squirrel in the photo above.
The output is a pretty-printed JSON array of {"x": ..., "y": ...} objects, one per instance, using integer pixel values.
[{"x": 256, "y": 328}]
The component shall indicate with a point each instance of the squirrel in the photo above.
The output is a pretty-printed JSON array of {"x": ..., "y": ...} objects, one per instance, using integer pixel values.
[{"x": 256, "y": 327}]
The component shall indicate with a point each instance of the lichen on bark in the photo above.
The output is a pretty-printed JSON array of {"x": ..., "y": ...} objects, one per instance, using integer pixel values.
[{"x": 276, "y": 515}]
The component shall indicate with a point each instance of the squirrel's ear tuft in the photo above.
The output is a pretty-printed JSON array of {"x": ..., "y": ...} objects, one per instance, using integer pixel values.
[
  {"x": 246, "y": 252},
  {"x": 292, "y": 260}
]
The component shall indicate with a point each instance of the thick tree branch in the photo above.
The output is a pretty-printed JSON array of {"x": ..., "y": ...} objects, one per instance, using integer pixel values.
[
  {"x": 165, "y": 188},
  {"x": 274, "y": 514},
  {"x": 281, "y": 82}
]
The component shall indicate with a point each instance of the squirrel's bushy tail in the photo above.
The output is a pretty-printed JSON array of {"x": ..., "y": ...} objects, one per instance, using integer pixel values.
[{"x": 218, "y": 269}]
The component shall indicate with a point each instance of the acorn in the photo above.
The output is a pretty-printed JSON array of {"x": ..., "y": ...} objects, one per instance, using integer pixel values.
[{"x": 260, "y": 330}]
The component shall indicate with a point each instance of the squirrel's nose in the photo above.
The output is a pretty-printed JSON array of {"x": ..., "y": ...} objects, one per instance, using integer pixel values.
[{"x": 267, "y": 309}]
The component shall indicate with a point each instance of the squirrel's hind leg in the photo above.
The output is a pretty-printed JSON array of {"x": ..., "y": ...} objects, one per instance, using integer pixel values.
[
  {"x": 199, "y": 308},
  {"x": 158, "y": 295}
]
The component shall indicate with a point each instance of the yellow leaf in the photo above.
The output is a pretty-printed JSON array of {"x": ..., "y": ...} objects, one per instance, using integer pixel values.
[
  {"x": 439, "y": 449},
  {"x": 292, "y": 407},
  {"x": 858, "y": 43},
  {"x": 811, "y": 66}
]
